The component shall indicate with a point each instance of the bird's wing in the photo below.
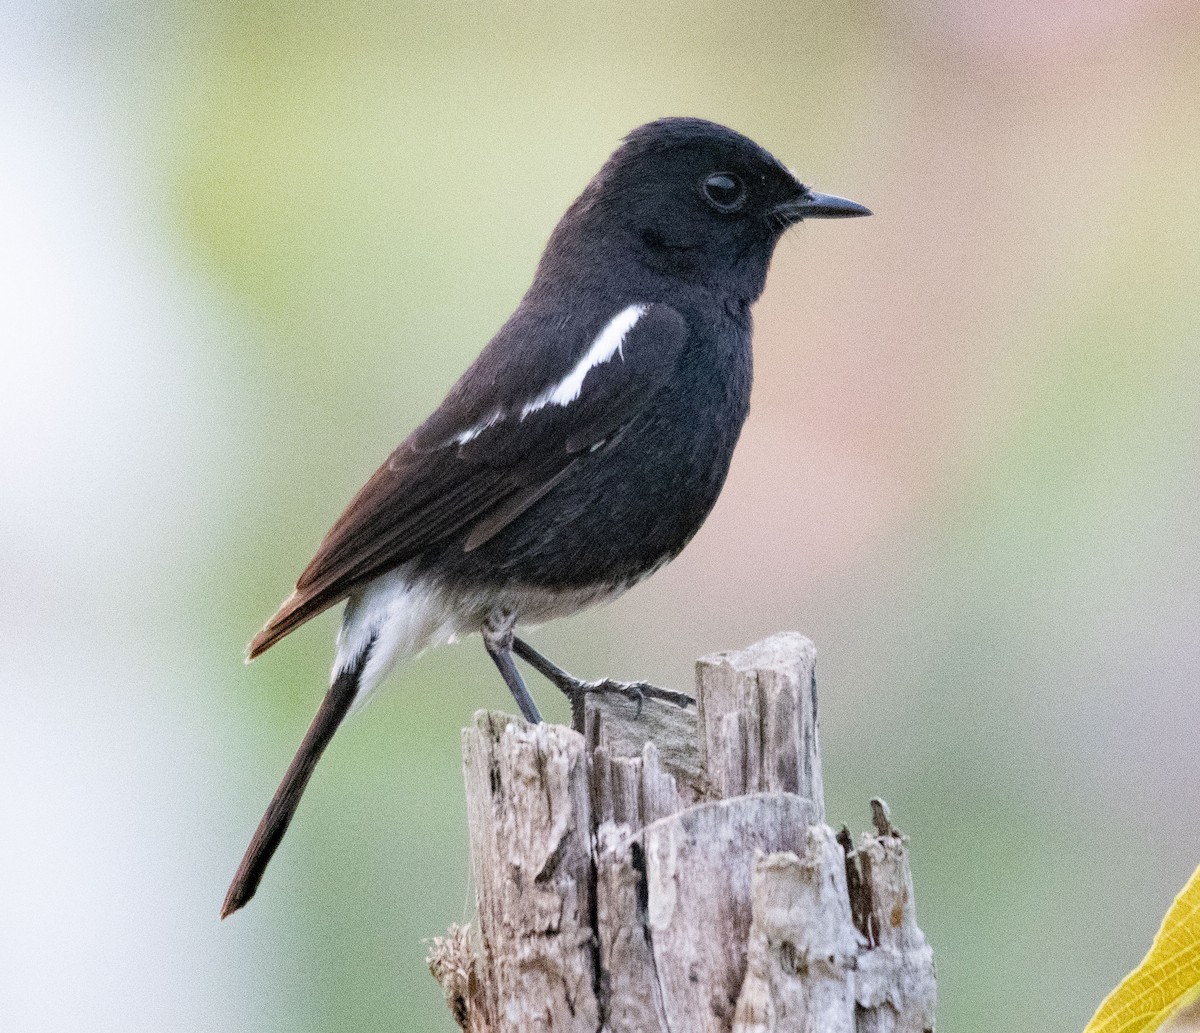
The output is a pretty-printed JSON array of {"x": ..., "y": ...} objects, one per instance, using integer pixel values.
[{"x": 500, "y": 441}]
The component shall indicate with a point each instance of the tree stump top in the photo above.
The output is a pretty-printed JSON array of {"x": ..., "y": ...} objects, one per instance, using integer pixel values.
[{"x": 671, "y": 871}]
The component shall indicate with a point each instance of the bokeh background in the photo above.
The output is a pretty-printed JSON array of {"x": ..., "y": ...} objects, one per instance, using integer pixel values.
[{"x": 246, "y": 246}]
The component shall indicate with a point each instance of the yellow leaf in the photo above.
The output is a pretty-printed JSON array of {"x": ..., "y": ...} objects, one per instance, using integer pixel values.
[{"x": 1168, "y": 977}]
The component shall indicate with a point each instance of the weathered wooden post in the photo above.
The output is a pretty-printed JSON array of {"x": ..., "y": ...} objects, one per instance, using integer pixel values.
[{"x": 673, "y": 872}]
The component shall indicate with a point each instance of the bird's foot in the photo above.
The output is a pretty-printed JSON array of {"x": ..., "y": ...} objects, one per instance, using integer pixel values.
[
  {"x": 576, "y": 689},
  {"x": 636, "y": 691}
]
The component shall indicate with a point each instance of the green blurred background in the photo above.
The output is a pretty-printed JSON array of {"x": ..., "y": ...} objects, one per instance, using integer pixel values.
[{"x": 245, "y": 247}]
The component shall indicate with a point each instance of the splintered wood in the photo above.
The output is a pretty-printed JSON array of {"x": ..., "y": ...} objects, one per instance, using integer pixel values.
[{"x": 671, "y": 872}]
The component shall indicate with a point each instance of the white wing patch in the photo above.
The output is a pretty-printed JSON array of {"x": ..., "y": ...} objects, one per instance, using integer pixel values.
[
  {"x": 607, "y": 344},
  {"x": 471, "y": 433}
]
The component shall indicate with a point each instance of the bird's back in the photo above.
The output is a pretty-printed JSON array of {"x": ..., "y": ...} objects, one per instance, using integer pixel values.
[{"x": 638, "y": 500}]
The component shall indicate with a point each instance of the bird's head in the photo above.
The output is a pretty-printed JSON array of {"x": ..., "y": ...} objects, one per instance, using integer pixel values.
[{"x": 696, "y": 201}]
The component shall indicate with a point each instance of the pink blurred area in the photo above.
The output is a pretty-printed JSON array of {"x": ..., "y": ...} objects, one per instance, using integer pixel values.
[{"x": 1023, "y": 142}]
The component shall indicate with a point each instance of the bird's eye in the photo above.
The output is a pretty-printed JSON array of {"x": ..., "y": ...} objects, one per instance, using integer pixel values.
[{"x": 724, "y": 191}]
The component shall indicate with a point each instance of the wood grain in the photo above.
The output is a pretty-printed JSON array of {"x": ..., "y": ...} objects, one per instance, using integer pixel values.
[{"x": 672, "y": 871}]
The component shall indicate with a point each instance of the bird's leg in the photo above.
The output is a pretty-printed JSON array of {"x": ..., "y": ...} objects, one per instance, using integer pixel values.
[
  {"x": 576, "y": 688},
  {"x": 498, "y": 641}
]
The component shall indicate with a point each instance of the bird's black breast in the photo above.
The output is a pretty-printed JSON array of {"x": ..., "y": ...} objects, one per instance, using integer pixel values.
[{"x": 636, "y": 501}]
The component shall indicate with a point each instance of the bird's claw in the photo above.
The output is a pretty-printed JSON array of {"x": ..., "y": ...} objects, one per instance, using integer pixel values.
[{"x": 636, "y": 691}]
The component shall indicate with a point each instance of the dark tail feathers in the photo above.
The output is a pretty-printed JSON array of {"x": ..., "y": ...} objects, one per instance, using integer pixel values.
[{"x": 283, "y": 805}]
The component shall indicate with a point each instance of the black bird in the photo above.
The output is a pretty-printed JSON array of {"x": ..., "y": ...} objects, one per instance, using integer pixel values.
[{"x": 582, "y": 449}]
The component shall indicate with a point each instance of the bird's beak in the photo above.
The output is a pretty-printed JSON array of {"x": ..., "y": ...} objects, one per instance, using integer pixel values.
[{"x": 811, "y": 205}]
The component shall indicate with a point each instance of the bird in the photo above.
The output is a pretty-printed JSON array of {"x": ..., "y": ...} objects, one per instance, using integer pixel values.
[{"x": 578, "y": 454}]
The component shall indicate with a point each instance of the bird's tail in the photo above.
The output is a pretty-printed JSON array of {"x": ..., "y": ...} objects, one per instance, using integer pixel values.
[{"x": 274, "y": 823}]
